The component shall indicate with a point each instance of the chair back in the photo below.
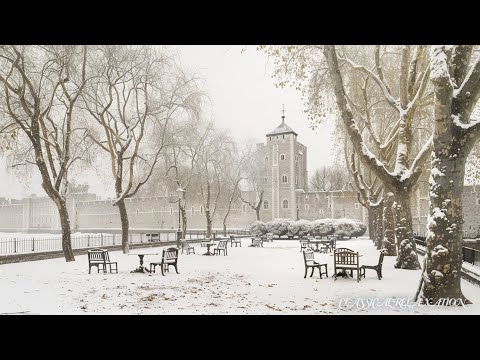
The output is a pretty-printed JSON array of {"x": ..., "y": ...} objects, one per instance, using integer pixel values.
[
  {"x": 308, "y": 255},
  {"x": 304, "y": 244},
  {"x": 222, "y": 244},
  {"x": 343, "y": 250},
  {"x": 380, "y": 258},
  {"x": 345, "y": 257},
  {"x": 170, "y": 254},
  {"x": 96, "y": 254}
]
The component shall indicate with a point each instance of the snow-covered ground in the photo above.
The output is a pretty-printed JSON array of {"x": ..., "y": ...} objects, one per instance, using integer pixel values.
[{"x": 249, "y": 280}]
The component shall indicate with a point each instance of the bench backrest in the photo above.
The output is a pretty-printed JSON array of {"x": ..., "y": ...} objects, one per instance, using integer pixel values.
[
  {"x": 308, "y": 255},
  {"x": 344, "y": 249},
  {"x": 222, "y": 244},
  {"x": 304, "y": 243},
  {"x": 170, "y": 254},
  {"x": 269, "y": 236},
  {"x": 97, "y": 255},
  {"x": 345, "y": 258},
  {"x": 257, "y": 242},
  {"x": 380, "y": 258}
]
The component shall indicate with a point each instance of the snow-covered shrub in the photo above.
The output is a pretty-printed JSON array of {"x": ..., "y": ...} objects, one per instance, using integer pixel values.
[
  {"x": 278, "y": 227},
  {"x": 321, "y": 227},
  {"x": 258, "y": 228},
  {"x": 349, "y": 227},
  {"x": 299, "y": 228}
]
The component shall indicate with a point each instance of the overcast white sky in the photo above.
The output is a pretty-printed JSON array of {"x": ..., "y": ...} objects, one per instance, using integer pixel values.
[{"x": 244, "y": 100}]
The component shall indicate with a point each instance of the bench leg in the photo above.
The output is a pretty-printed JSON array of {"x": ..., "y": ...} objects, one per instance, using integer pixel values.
[
  {"x": 306, "y": 268},
  {"x": 313, "y": 269},
  {"x": 176, "y": 270},
  {"x": 162, "y": 266}
]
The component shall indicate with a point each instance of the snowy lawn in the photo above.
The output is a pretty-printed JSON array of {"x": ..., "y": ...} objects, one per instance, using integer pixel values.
[{"x": 249, "y": 280}]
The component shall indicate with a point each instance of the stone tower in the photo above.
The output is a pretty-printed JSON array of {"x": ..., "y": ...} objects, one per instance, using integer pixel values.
[{"x": 286, "y": 172}]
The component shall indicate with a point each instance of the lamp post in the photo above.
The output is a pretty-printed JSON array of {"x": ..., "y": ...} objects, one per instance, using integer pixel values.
[{"x": 180, "y": 192}]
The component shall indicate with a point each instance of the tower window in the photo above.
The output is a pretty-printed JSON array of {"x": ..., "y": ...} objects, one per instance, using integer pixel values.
[
  {"x": 307, "y": 206},
  {"x": 321, "y": 211},
  {"x": 357, "y": 205},
  {"x": 284, "y": 136},
  {"x": 265, "y": 205},
  {"x": 270, "y": 138},
  {"x": 266, "y": 158},
  {"x": 137, "y": 211},
  {"x": 193, "y": 210},
  {"x": 296, "y": 180},
  {"x": 265, "y": 180},
  {"x": 171, "y": 211},
  {"x": 282, "y": 157},
  {"x": 306, "y": 197},
  {"x": 244, "y": 208},
  {"x": 201, "y": 209},
  {"x": 284, "y": 179},
  {"x": 285, "y": 204}
]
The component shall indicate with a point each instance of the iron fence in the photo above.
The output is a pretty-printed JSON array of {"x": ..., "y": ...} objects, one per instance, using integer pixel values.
[
  {"x": 469, "y": 255},
  {"x": 21, "y": 245}
]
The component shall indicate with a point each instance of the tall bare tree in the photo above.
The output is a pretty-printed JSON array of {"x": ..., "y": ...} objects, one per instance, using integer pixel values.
[
  {"x": 137, "y": 92},
  {"x": 41, "y": 87}
]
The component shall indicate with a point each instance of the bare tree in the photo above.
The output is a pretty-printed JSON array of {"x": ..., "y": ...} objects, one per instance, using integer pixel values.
[
  {"x": 136, "y": 93},
  {"x": 328, "y": 178},
  {"x": 42, "y": 85},
  {"x": 254, "y": 171}
]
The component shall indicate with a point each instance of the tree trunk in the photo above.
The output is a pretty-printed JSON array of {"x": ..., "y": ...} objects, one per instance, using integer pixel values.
[
  {"x": 371, "y": 224},
  {"x": 389, "y": 226},
  {"x": 379, "y": 228},
  {"x": 257, "y": 212},
  {"x": 124, "y": 221},
  {"x": 66, "y": 235},
  {"x": 209, "y": 224},
  {"x": 445, "y": 225},
  {"x": 184, "y": 222},
  {"x": 407, "y": 250}
]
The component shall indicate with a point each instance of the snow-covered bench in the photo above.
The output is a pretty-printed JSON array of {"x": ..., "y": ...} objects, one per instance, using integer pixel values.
[
  {"x": 97, "y": 257},
  {"x": 169, "y": 258}
]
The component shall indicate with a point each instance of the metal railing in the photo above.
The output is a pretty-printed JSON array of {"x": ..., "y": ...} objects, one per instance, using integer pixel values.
[
  {"x": 469, "y": 255},
  {"x": 22, "y": 245}
]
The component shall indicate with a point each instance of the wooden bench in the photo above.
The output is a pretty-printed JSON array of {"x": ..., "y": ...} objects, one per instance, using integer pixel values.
[
  {"x": 345, "y": 259},
  {"x": 377, "y": 268},
  {"x": 309, "y": 260},
  {"x": 269, "y": 237},
  {"x": 235, "y": 241},
  {"x": 97, "y": 257},
  {"x": 169, "y": 258},
  {"x": 221, "y": 246},
  {"x": 333, "y": 241},
  {"x": 257, "y": 242}
]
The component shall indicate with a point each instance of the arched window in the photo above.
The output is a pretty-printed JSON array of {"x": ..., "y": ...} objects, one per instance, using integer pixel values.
[
  {"x": 284, "y": 179},
  {"x": 282, "y": 157},
  {"x": 265, "y": 205},
  {"x": 285, "y": 204},
  {"x": 171, "y": 210},
  {"x": 321, "y": 211},
  {"x": 201, "y": 209},
  {"x": 296, "y": 179}
]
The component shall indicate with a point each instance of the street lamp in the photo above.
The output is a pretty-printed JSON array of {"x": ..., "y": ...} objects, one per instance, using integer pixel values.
[{"x": 180, "y": 195}]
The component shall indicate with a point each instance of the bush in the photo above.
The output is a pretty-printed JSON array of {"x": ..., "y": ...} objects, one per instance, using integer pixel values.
[
  {"x": 349, "y": 227},
  {"x": 321, "y": 227},
  {"x": 299, "y": 228},
  {"x": 278, "y": 227},
  {"x": 258, "y": 228}
]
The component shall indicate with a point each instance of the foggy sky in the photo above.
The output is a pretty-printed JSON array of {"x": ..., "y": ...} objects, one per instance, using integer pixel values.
[{"x": 244, "y": 100}]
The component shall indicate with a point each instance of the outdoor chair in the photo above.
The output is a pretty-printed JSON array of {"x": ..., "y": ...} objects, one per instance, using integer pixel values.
[
  {"x": 377, "y": 268},
  {"x": 257, "y": 243},
  {"x": 304, "y": 244},
  {"x": 169, "y": 258},
  {"x": 99, "y": 257},
  {"x": 309, "y": 260},
  {"x": 345, "y": 259},
  {"x": 222, "y": 246},
  {"x": 235, "y": 241}
]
